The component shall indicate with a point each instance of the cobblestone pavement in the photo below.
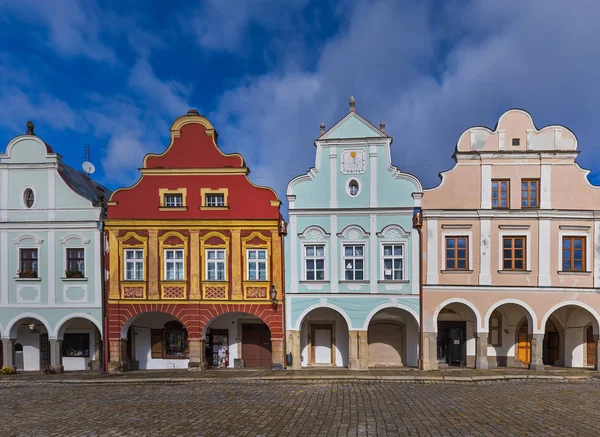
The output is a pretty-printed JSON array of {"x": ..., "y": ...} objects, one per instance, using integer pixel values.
[{"x": 278, "y": 408}]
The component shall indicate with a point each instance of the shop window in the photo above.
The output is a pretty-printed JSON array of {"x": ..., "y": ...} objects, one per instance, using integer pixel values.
[
  {"x": 76, "y": 345},
  {"x": 169, "y": 342},
  {"x": 28, "y": 263},
  {"x": 256, "y": 264}
]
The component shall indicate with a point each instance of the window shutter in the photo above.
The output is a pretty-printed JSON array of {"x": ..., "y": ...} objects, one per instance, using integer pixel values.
[{"x": 157, "y": 343}]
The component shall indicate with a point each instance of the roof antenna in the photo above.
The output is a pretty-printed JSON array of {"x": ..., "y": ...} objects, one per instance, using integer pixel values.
[{"x": 87, "y": 166}]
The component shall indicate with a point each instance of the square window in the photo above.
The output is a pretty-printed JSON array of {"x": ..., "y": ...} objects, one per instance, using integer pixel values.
[{"x": 516, "y": 141}]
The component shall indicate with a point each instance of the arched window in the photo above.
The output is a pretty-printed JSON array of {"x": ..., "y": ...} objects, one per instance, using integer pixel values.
[{"x": 28, "y": 198}]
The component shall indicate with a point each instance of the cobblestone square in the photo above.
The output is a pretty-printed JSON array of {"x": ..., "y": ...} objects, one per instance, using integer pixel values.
[{"x": 280, "y": 408}]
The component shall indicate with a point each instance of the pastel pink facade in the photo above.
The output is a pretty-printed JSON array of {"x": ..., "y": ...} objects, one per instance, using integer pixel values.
[{"x": 511, "y": 262}]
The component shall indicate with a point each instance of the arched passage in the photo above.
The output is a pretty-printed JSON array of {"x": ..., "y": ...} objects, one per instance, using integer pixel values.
[
  {"x": 155, "y": 340},
  {"x": 29, "y": 343},
  {"x": 510, "y": 326},
  {"x": 237, "y": 339},
  {"x": 324, "y": 339},
  {"x": 570, "y": 332},
  {"x": 80, "y": 342},
  {"x": 457, "y": 324},
  {"x": 393, "y": 338}
]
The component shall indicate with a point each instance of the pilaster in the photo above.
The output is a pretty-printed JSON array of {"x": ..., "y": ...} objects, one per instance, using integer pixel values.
[
  {"x": 276, "y": 259},
  {"x": 353, "y": 351},
  {"x": 196, "y": 353},
  {"x": 481, "y": 349},
  {"x": 153, "y": 263},
  {"x": 277, "y": 354},
  {"x": 114, "y": 256},
  {"x": 597, "y": 341},
  {"x": 56, "y": 355},
  {"x": 236, "y": 265},
  {"x": 118, "y": 355},
  {"x": 293, "y": 347},
  {"x": 194, "y": 266},
  {"x": 8, "y": 352},
  {"x": 432, "y": 251},
  {"x": 363, "y": 350},
  {"x": 485, "y": 252},
  {"x": 537, "y": 342},
  {"x": 430, "y": 361}
]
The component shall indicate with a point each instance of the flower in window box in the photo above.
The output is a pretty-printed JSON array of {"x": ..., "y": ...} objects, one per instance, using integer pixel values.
[
  {"x": 28, "y": 274},
  {"x": 73, "y": 274}
]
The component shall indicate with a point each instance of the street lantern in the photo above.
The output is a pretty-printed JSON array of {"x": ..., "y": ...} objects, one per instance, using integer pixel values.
[{"x": 273, "y": 295}]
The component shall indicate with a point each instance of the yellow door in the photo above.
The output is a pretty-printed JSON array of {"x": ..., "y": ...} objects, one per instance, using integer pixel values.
[{"x": 524, "y": 345}]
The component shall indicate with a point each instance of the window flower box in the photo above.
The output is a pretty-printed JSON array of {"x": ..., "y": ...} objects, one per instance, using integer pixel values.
[
  {"x": 73, "y": 274},
  {"x": 27, "y": 274}
]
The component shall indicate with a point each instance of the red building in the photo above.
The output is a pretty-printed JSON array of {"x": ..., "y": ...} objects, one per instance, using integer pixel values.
[{"x": 195, "y": 260}]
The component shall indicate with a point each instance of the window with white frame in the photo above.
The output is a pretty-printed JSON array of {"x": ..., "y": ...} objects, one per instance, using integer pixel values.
[
  {"x": 174, "y": 200},
  {"x": 354, "y": 262},
  {"x": 134, "y": 264},
  {"x": 256, "y": 264},
  {"x": 173, "y": 264},
  {"x": 392, "y": 262},
  {"x": 215, "y": 265},
  {"x": 215, "y": 199},
  {"x": 314, "y": 262}
]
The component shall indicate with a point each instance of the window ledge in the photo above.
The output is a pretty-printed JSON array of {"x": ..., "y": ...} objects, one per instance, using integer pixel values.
[
  {"x": 133, "y": 281},
  {"x": 390, "y": 281},
  {"x": 354, "y": 282},
  {"x": 28, "y": 279},
  {"x": 172, "y": 208},
  {"x": 256, "y": 281},
  {"x": 576, "y": 272},
  {"x": 214, "y": 208},
  {"x": 211, "y": 281},
  {"x": 74, "y": 279},
  {"x": 514, "y": 272},
  {"x": 456, "y": 272},
  {"x": 174, "y": 281},
  {"x": 308, "y": 282}
]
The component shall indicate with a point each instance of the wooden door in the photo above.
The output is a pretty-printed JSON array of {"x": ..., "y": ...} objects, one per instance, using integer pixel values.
[
  {"x": 386, "y": 346},
  {"x": 524, "y": 344},
  {"x": 591, "y": 346},
  {"x": 256, "y": 345},
  {"x": 321, "y": 345}
]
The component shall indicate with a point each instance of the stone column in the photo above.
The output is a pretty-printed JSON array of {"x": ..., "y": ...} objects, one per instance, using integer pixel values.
[
  {"x": 293, "y": 347},
  {"x": 430, "y": 359},
  {"x": 196, "y": 354},
  {"x": 353, "y": 351},
  {"x": 153, "y": 263},
  {"x": 56, "y": 355},
  {"x": 277, "y": 354},
  {"x": 597, "y": 341},
  {"x": 8, "y": 352},
  {"x": 119, "y": 361},
  {"x": 481, "y": 349},
  {"x": 537, "y": 345},
  {"x": 363, "y": 350}
]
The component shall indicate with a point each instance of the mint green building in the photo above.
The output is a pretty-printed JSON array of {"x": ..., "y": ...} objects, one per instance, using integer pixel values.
[
  {"x": 352, "y": 278},
  {"x": 50, "y": 259}
]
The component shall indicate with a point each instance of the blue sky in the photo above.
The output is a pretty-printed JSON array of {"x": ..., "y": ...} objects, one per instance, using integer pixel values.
[{"x": 115, "y": 75}]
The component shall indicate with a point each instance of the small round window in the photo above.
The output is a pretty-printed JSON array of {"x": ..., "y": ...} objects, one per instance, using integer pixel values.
[
  {"x": 353, "y": 188},
  {"x": 28, "y": 197}
]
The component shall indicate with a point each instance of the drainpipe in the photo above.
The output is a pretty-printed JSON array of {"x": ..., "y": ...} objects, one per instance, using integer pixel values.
[
  {"x": 104, "y": 300},
  {"x": 282, "y": 232},
  {"x": 418, "y": 225}
]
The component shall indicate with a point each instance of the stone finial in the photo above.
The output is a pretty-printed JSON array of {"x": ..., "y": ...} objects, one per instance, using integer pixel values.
[
  {"x": 322, "y": 128},
  {"x": 30, "y": 128},
  {"x": 382, "y": 127},
  {"x": 193, "y": 112},
  {"x": 352, "y": 103}
]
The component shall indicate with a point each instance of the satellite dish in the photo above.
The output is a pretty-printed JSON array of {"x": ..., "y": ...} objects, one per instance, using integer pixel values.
[{"x": 88, "y": 167}]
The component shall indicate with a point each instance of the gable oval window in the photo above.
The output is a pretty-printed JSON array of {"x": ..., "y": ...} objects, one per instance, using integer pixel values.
[
  {"x": 28, "y": 198},
  {"x": 353, "y": 188}
]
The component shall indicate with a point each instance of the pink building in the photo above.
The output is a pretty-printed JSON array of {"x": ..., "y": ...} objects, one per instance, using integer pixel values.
[{"x": 511, "y": 267}]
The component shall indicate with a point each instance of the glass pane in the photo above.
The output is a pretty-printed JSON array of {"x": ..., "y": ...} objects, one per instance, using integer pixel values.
[
  {"x": 310, "y": 251},
  {"x": 139, "y": 254},
  {"x": 358, "y": 275},
  {"x": 566, "y": 265},
  {"x": 398, "y": 250},
  {"x": 221, "y": 254},
  {"x": 179, "y": 270},
  {"x": 503, "y": 203},
  {"x": 519, "y": 242},
  {"x": 310, "y": 275},
  {"x": 262, "y": 275},
  {"x": 566, "y": 243},
  {"x": 533, "y": 202},
  {"x": 533, "y": 186},
  {"x": 494, "y": 186},
  {"x": 179, "y": 254},
  {"x": 462, "y": 253},
  {"x": 450, "y": 264},
  {"x": 462, "y": 243},
  {"x": 507, "y": 264},
  {"x": 139, "y": 271},
  {"x": 358, "y": 250},
  {"x": 358, "y": 264},
  {"x": 524, "y": 186},
  {"x": 462, "y": 264},
  {"x": 518, "y": 253},
  {"x": 320, "y": 250},
  {"x": 577, "y": 243},
  {"x": 533, "y": 194},
  {"x": 252, "y": 275},
  {"x": 494, "y": 203},
  {"x": 524, "y": 202},
  {"x": 578, "y": 265},
  {"x": 348, "y": 250},
  {"x": 252, "y": 266},
  {"x": 507, "y": 243},
  {"x": 128, "y": 254},
  {"x": 310, "y": 264},
  {"x": 507, "y": 253},
  {"x": 320, "y": 275},
  {"x": 262, "y": 254},
  {"x": 387, "y": 250},
  {"x": 566, "y": 254},
  {"x": 518, "y": 264},
  {"x": 387, "y": 264},
  {"x": 348, "y": 276},
  {"x": 578, "y": 254},
  {"x": 320, "y": 264},
  {"x": 397, "y": 264},
  {"x": 397, "y": 275},
  {"x": 450, "y": 243},
  {"x": 169, "y": 254},
  {"x": 170, "y": 271},
  {"x": 252, "y": 254}
]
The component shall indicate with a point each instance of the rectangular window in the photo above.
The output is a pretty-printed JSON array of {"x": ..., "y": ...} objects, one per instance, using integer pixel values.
[
  {"x": 530, "y": 193},
  {"x": 28, "y": 264},
  {"x": 76, "y": 345},
  {"x": 173, "y": 200},
  {"x": 457, "y": 253},
  {"x": 513, "y": 253},
  {"x": 500, "y": 193},
  {"x": 573, "y": 254},
  {"x": 354, "y": 262},
  {"x": 75, "y": 262},
  {"x": 516, "y": 141},
  {"x": 393, "y": 262},
  {"x": 314, "y": 259},
  {"x": 215, "y": 265},
  {"x": 134, "y": 265},
  {"x": 495, "y": 338},
  {"x": 215, "y": 199},
  {"x": 174, "y": 265},
  {"x": 256, "y": 264}
]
